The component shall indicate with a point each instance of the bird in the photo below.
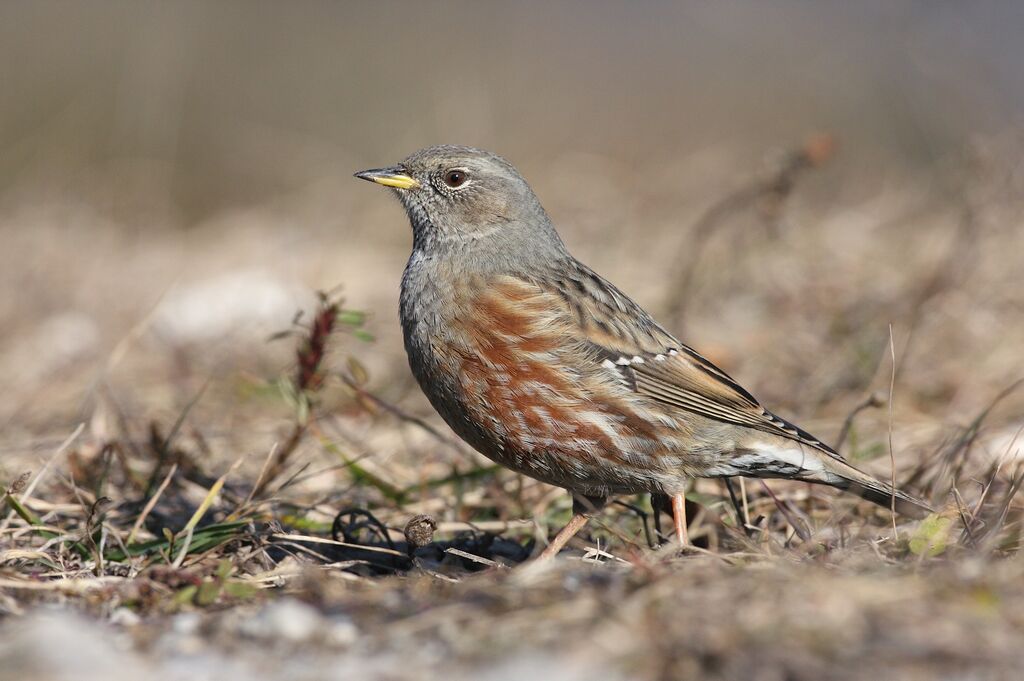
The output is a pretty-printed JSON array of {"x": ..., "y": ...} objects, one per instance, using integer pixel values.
[{"x": 548, "y": 369}]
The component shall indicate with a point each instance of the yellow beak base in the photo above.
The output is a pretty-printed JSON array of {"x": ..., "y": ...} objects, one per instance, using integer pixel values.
[{"x": 389, "y": 177}]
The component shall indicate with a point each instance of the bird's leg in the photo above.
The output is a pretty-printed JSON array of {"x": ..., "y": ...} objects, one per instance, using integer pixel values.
[
  {"x": 659, "y": 503},
  {"x": 662, "y": 503},
  {"x": 643, "y": 518},
  {"x": 582, "y": 508},
  {"x": 679, "y": 518}
]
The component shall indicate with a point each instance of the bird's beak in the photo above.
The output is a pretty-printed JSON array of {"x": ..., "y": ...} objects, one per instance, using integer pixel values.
[{"x": 389, "y": 177}]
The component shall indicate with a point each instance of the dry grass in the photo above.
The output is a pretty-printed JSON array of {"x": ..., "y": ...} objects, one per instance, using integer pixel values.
[{"x": 214, "y": 479}]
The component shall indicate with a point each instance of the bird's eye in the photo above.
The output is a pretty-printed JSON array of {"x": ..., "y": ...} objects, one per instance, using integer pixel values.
[{"x": 455, "y": 178}]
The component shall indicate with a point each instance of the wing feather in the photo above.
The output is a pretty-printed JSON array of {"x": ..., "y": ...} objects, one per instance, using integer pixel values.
[{"x": 614, "y": 328}]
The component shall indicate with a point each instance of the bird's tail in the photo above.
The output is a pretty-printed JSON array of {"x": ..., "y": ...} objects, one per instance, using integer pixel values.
[
  {"x": 800, "y": 462},
  {"x": 844, "y": 476}
]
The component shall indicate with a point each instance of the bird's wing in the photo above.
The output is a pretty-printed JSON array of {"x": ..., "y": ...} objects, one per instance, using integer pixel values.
[{"x": 620, "y": 335}]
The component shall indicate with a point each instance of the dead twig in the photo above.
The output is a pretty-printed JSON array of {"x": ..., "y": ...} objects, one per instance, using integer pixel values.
[
  {"x": 151, "y": 503},
  {"x": 768, "y": 194},
  {"x": 476, "y": 559},
  {"x": 892, "y": 453},
  {"x": 309, "y": 378},
  {"x": 798, "y": 524},
  {"x": 402, "y": 415},
  {"x": 872, "y": 401}
]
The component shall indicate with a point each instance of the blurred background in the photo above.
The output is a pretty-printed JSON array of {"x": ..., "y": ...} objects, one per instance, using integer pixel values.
[{"x": 176, "y": 181}]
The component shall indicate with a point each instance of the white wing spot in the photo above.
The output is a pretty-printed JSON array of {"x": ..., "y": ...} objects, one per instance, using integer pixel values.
[
  {"x": 637, "y": 360},
  {"x": 793, "y": 455},
  {"x": 673, "y": 352},
  {"x": 608, "y": 364},
  {"x": 659, "y": 357},
  {"x": 623, "y": 361}
]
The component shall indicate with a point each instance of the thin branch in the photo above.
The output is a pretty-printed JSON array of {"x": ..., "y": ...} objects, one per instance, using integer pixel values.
[{"x": 892, "y": 454}]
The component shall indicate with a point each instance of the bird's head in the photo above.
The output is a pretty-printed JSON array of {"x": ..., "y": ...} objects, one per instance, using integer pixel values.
[{"x": 460, "y": 196}]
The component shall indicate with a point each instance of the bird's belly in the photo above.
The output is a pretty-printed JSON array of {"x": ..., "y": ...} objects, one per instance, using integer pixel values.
[
  {"x": 593, "y": 476},
  {"x": 552, "y": 431},
  {"x": 522, "y": 397}
]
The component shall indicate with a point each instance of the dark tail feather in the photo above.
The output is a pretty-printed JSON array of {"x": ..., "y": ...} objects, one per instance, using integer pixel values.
[
  {"x": 821, "y": 465},
  {"x": 844, "y": 476},
  {"x": 883, "y": 496}
]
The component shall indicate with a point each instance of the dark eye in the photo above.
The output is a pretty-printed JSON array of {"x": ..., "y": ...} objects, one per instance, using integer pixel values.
[{"x": 455, "y": 178}]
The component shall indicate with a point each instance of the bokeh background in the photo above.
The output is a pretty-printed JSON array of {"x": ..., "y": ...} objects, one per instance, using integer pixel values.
[
  {"x": 176, "y": 182},
  {"x": 187, "y": 166}
]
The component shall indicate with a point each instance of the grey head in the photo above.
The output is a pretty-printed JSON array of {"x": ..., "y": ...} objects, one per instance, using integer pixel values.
[{"x": 470, "y": 204}]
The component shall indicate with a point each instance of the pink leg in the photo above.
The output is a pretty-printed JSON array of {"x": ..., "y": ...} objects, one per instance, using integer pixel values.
[{"x": 679, "y": 518}]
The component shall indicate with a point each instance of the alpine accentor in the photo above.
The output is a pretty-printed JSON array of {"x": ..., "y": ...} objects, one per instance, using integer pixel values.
[{"x": 548, "y": 369}]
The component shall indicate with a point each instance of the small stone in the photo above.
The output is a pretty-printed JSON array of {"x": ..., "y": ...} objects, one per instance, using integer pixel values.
[
  {"x": 123, "y": 617},
  {"x": 186, "y": 623},
  {"x": 287, "y": 620},
  {"x": 341, "y": 632}
]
